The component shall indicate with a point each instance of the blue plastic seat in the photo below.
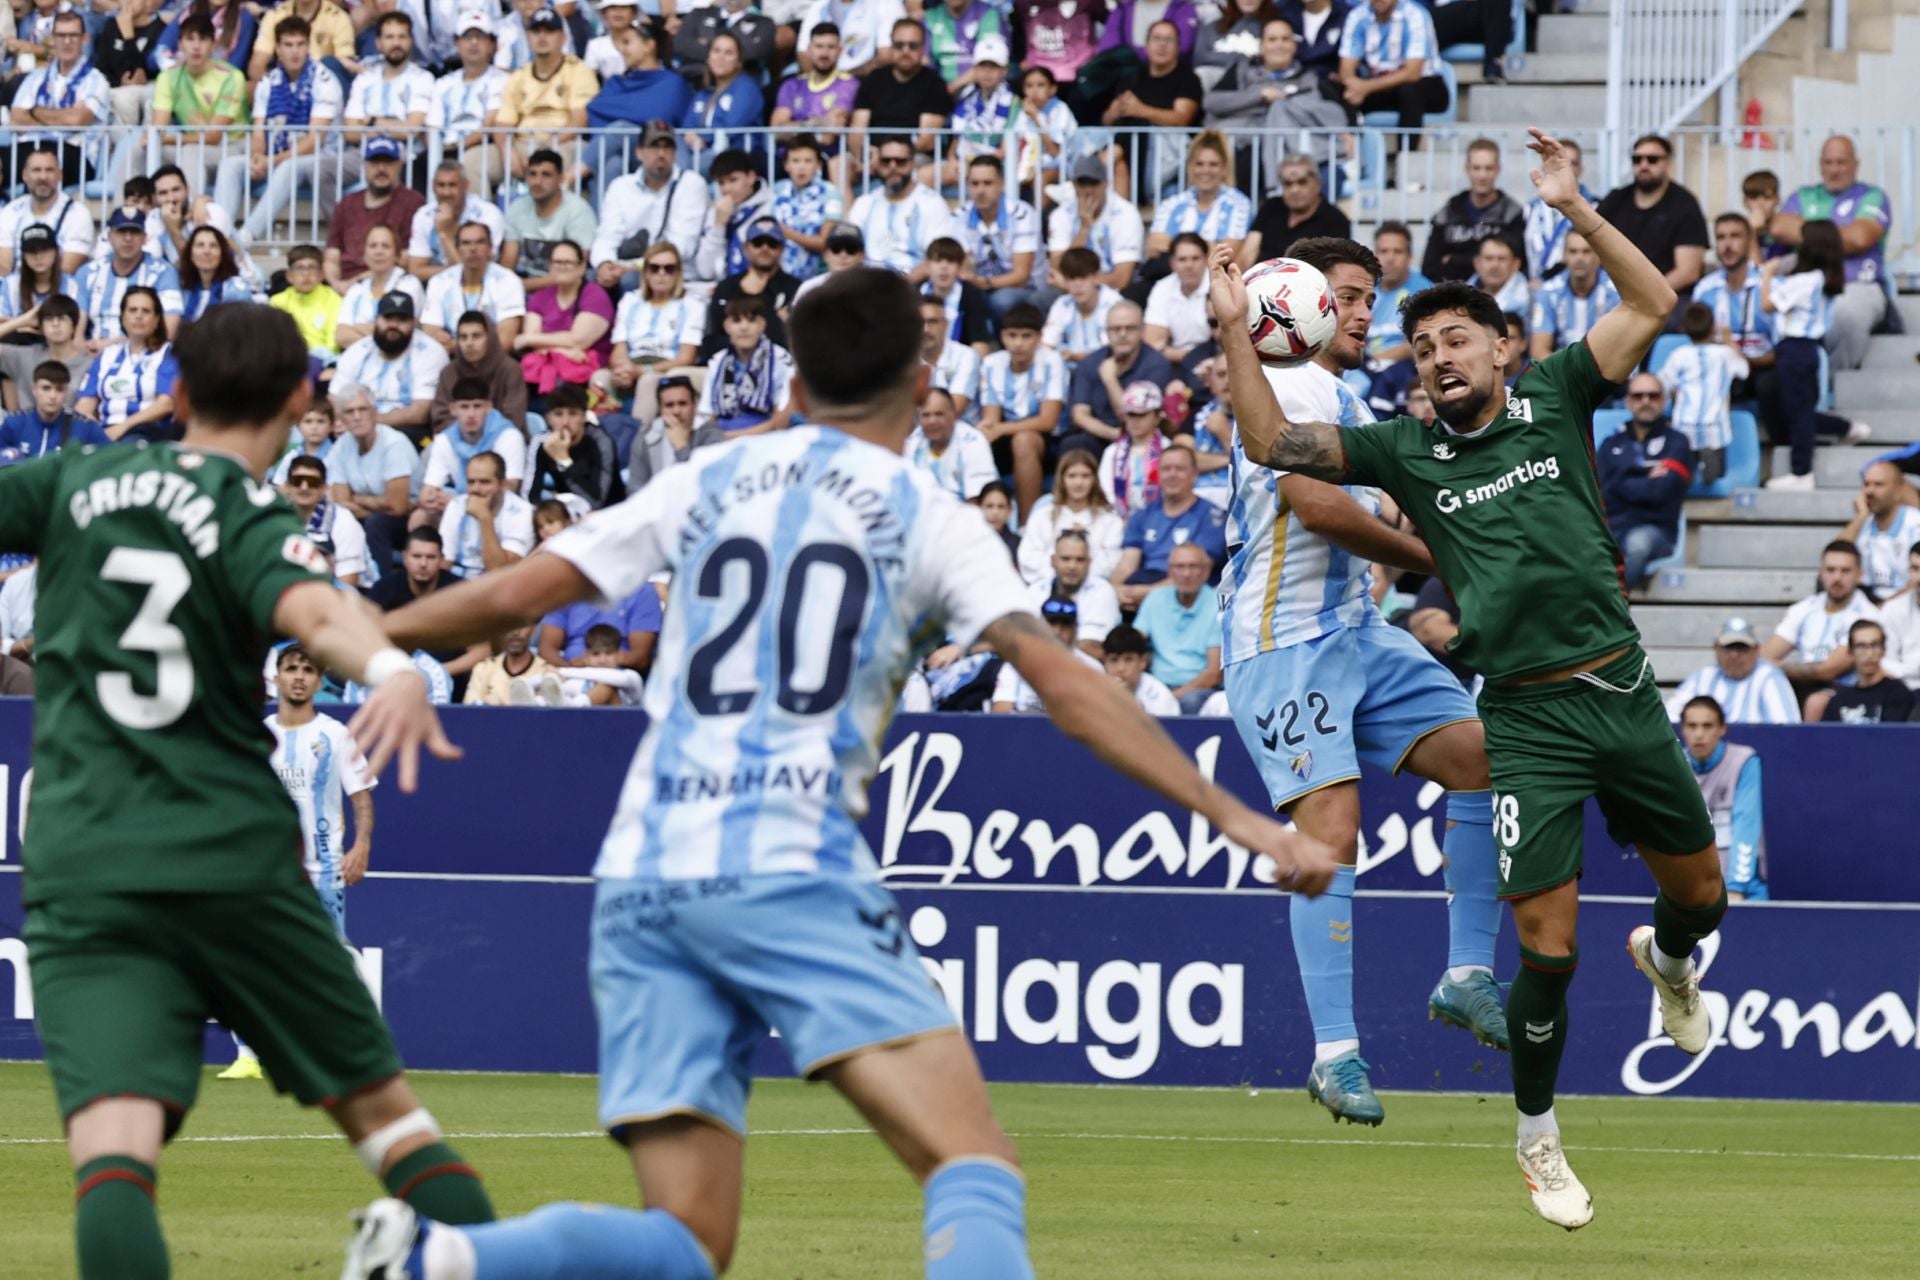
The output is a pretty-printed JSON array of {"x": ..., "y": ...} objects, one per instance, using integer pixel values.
[
  {"x": 1663, "y": 346},
  {"x": 1605, "y": 423},
  {"x": 1516, "y": 52}
]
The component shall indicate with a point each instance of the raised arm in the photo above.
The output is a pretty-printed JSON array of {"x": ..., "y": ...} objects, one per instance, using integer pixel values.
[
  {"x": 1620, "y": 338},
  {"x": 1312, "y": 449},
  {"x": 1105, "y": 718}
]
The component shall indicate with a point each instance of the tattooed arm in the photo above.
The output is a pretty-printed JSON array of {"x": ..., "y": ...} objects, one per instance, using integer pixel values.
[
  {"x": 1308, "y": 448},
  {"x": 1103, "y": 716}
]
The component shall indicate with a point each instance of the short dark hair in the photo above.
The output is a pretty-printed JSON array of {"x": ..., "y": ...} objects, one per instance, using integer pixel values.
[
  {"x": 1324, "y": 253},
  {"x": 137, "y": 187},
  {"x": 996, "y": 486},
  {"x": 553, "y": 509},
  {"x": 1705, "y": 703},
  {"x": 240, "y": 362},
  {"x": 1666, "y": 147},
  {"x": 906, "y": 22},
  {"x": 747, "y": 306},
  {"x": 824, "y": 29},
  {"x": 946, "y": 249},
  {"x": 804, "y": 142},
  {"x": 731, "y": 161},
  {"x": 394, "y": 17},
  {"x": 1195, "y": 239},
  {"x": 305, "y": 253},
  {"x": 1021, "y": 315},
  {"x": 568, "y": 395},
  {"x": 1697, "y": 321},
  {"x": 197, "y": 24},
  {"x": 294, "y": 649},
  {"x": 672, "y": 382},
  {"x": 855, "y": 335},
  {"x": 1079, "y": 262},
  {"x": 171, "y": 170},
  {"x": 1730, "y": 216},
  {"x": 548, "y": 156},
  {"x": 1843, "y": 547},
  {"x": 307, "y": 461},
  {"x": 469, "y": 389},
  {"x": 987, "y": 162},
  {"x": 1498, "y": 241},
  {"x": 1514, "y": 320},
  {"x": 603, "y": 637},
  {"x": 1853, "y": 632},
  {"x": 60, "y": 307},
  {"x": 1394, "y": 227},
  {"x": 426, "y": 533},
  {"x": 52, "y": 371},
  {"x": 1125, "y": 639},
  {"x": 1452, "y": 295},
  {"x": 292, "y": 25}
]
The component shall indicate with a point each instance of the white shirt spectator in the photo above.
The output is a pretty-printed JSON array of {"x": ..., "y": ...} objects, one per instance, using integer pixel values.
[
  {"x": 1814, "y": 633},
  {"x": 1015, "y": 229},
  {"x": 1119, "y": 235},
  {"x": 1070, "y": 329},
  {"x": 17, "y": 599},
  {"x": 409, "y": 378},
  {"x": 1883, "y": 553},
  {"x": 460, "y": 533},
  {"x": 1105, "y": 533},
  {"x": 501, "y": 296},
  {"x": 72, "y": 224},
  {"x": 676, "y": 212},
  {"x": 342, "y": 529},
  {"x": 327, "y": 106},
  {"x": 1901, "y": 618},
  {"x": 362, "y": 300},
  {"x": 657, "y": 331},
  {"x": 1764, "y": 697},
  {"x": 423, "y": 243},
  {"x": 898, "y": 231},
  {"x": 1021, "y": 393},
  {"x": 1183, "y": 315},
  {"x": 781, "y": 372},
  {"x": 866, "y": 27},
  {"x": 436, "y": 28},
  {"x": 391, "y": 456},
  {"x": 964, "y": 469},
  {"x": 1011, "y": 687},
  {"x": 958, "y": 371},
  {"x": 374, "y": 95},
  {"x": 1700, "y": 375},
  {"x": 462, "y": 106},
  {"x": 82, "y": 85},
  {"x": 444, "y": 470},
  {"x": 1154, "y": 697},
  {"x": 603, "y": 59},
  {"x": 1099, "y": 606}
]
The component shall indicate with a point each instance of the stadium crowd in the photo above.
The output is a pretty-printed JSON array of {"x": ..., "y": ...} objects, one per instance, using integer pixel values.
[{"x": 594, "y": 278}]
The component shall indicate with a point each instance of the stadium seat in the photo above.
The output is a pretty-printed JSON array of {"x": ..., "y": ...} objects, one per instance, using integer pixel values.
[
  {"x": 1663, "y": 346},
  {"x": 1743, "y": 460},
  {"x": 1391, "y": 119},
  {"x": 1605, "y": 423},
  {"x": 1516, "y": 54}
]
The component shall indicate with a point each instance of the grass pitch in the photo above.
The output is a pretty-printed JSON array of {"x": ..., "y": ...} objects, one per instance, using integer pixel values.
[{"x": 1126, "y": 1184}]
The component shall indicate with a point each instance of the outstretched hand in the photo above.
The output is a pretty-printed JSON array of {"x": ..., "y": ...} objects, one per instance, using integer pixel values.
[
  {"x": 1227, "y": 293},
  {"x": 397, "y": 720},
  {"x": 1554, "y": 179},
  {"x": 1301, "y": 864}
]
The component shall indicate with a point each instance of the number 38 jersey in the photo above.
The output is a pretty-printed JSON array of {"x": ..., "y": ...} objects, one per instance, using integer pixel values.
[
  {"x": 159, "y": 571},
  {"x": 809, "y": 568}
]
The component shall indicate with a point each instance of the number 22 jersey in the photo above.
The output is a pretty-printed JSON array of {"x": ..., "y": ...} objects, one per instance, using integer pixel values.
[{"x": 810, "y": 569}]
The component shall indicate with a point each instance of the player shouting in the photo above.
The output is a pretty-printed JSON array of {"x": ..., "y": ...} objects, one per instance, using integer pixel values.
[
  {"x": 736, "y": 892},
  {"x": 163, "y": 872},
  {"x": 1505, "y": 490},
  {"x": 1318, "y": 682}
]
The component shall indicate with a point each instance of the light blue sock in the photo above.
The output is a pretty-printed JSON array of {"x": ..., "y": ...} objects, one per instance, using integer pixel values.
[
  {"x": 976, "y": 1222},
  {"x": 1473, "y": 913},
  {"x": 586, "y": 1242},
  {"x": 1323, "y": 944}
]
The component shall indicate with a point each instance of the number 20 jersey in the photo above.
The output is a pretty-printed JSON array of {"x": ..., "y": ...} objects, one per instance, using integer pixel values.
[
  {"x": 809, "y": 570},
  {"x": 160, "y": 568}
]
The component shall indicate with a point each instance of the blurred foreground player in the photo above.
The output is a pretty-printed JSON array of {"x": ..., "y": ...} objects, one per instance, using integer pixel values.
[
  {"x": 1504, "y": 488},
  {"x": 736, "y": 893},
  {"x": 163, "y": 887}
]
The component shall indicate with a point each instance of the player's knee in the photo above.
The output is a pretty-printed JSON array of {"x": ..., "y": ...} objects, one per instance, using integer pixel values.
[{"x": 716, "y": 1230}]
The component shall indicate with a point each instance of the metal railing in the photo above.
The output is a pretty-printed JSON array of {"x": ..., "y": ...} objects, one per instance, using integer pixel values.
[{"x": 1666, "y": 58}]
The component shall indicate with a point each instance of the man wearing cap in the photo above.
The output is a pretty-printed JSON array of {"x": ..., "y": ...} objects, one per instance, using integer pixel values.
[
  {"x": 46, "y": 205},
  {"x": 1073, "y": 579},
  {"x": 547, "y": 214},
  {"x": 330, "y": 525},
  {"x": 1176, "y": 518},
  {"x": 1750, "y": 689},
  {"x": 382, "y": 202},
  {"x": 643, "y": 91},
  {"x": 1011, "y": 693},
  {"x": 902, "y": 218},
  {"x": 477, "y": 284},
  {"x": 432, "y": 241},
  {"x": 466, "y": 101},
  {"x": 1094, "y": 399},
  {"x": 397, "y": 365},
  {"x": 846, "y": 249},
  {"x": 761, "y": 276},
  {"x": 391, "y": 97},
  {"x": 659, "y": 201},
  {"x": 68, "y": 91},
  {"x": 1097, "y": 219},
  {"x": 103, "y": 282},
  {"x": 373, "y": 470},
  {"x": 545, "y": 103},
  {"x": 754, "y": 30},
  {"x": 294, "y": 107},
  {"x": 907, "y": 95}
]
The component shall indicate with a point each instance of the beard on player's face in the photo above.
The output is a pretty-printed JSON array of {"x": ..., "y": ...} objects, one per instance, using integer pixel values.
[{"x": 1464, "y": 408}]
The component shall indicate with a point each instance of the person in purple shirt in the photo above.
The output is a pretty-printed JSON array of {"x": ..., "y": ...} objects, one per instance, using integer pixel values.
[
  {"x": 563, "y": 633},
  {"x": 1061, "y": 35},
  {"x": 1863, "y": 213},
  {"x": 819, "y": 94},
  {"x": 1126, "y": 27}
]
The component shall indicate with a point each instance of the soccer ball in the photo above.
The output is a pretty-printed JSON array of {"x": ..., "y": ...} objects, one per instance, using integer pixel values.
[{"x": 1290, "y": 311}]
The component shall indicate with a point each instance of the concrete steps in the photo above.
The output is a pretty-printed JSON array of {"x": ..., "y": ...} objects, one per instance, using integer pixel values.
[
  {"x": 1891, "y": 427},
  {"x": 1863, "y": 391},
  {"x": 1572, "y": 67},
  {"x": 1893, "y": 353},
  {"x": 1671, "y": 666},
  {"x": 1583, "y": 33},
  {"x": 1724, "y": 587},
  {"x": 1694, "y": 628},
  {"x": 1834, "y": 466},
  {"x": 1830, "y": 507},
  {"x": 1737, "y": 546},
  {"x": 1546, "y": 105}
]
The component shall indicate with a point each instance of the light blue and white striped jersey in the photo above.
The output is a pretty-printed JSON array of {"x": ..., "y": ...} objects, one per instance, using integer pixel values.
[
  {"x": 1738, "y": 311},
  {"x": 101, "y": 289},
  {"x": 1406, "y": 36},
  {"x": 657, "y": 330},
  {"x": 1545, "y": 235},
  {"x": 1283, "y": 585},
  {"x": 1070, "y": 329},
  {"x": 1814, "y": 632},
  {"x": 1230, "y": 218},
  {"x": 1558, "y": 310},
  {"x": 809, "y": 569},
  {"x": 1802, "y": 307},
  {"x": 1021, "y": 393},
  {"x": 319, "y": 766},
  {"x": 1701, "y": 375},
  {"x": 1765, "y": 697},
  {"x": 898, "y": 232},
  {"x": 1883, "y": 552},
  {"x": 1015, "y": 229},
  {"x": 1117, "y": 236}
]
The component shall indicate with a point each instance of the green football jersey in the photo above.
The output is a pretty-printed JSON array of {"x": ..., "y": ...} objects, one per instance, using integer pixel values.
[
  {"x": 1515, "y": 520},
  {"x": 159, "y": 572}
]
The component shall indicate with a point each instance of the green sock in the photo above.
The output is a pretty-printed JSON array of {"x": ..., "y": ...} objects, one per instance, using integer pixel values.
[
  {"x": 115, "y": 1222},
  {"x": 440, "y": 1185},
  {"x": 1537, "y": 1020},
  {"x": 1677, "y": 930}
]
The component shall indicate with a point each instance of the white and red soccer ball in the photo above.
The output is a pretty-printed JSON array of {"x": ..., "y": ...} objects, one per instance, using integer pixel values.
[{"x": 1290, "y": 311}]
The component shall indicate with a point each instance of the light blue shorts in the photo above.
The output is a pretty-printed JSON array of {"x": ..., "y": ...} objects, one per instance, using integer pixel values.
[
  {"x": 333, "y": 896},
  {"x": 1311, "y": 714},
  {"x": 689, "y": 975}
]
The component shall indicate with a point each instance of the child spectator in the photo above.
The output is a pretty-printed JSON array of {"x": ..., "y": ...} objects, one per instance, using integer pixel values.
[
  {"x": 1130, "y": 466},
  {"x": 983, "y": 109},
  {"x": 1760, "y": 193},
  {"x": 1700, "y": 377},
  {"x": 315, "y": 440},
  {"x": 1042, "y": 130},
  {"x": 477, "y": 427},
  {"x": 575, "y": 459},
  {"x": 749, "y": 382},
  {"x": 996, "y": 507},
  {"x": 1803, "y": 303},
  {"x": 1126, "y": 661},
  {"x": 806, "y": 204},
  {"x": 966, "y": 304},
  {"x": 1023, "y": 388},
  {"x": 1874, "y": 697},
  {"x": 740, "y": 200},
  {"x": 311, "y": 301},
  {"x": 1077, "y": 323}
]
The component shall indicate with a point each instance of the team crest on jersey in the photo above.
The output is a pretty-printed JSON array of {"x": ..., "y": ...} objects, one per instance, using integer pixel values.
[
  {"x": 1656, "y": 446},
  {"x": 1302, "y": 766},
  {"x": 1443, "y": 451},
  {"x": 1520, "y": 408}
]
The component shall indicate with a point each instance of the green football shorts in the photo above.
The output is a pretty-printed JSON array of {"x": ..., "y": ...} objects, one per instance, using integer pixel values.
[
  {"x": 123, "y": 986},
  {"x": 1551, "y": 746}
]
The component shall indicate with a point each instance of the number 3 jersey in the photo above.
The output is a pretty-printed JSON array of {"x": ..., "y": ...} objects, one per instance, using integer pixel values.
[
  {"x": 809, "y": 569},
  {"x": 319, "y": 766},
  {"x": 160, "y": 568}
]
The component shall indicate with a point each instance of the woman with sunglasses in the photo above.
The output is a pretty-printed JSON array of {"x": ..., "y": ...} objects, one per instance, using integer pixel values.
[
  {"x": 657, "y": 330},
  {"x": 381, "y": 253},
  {"x": 564, "y": 338},
  {"x": 129, "y": 388},
  {"x": 210, "y": 275}
]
